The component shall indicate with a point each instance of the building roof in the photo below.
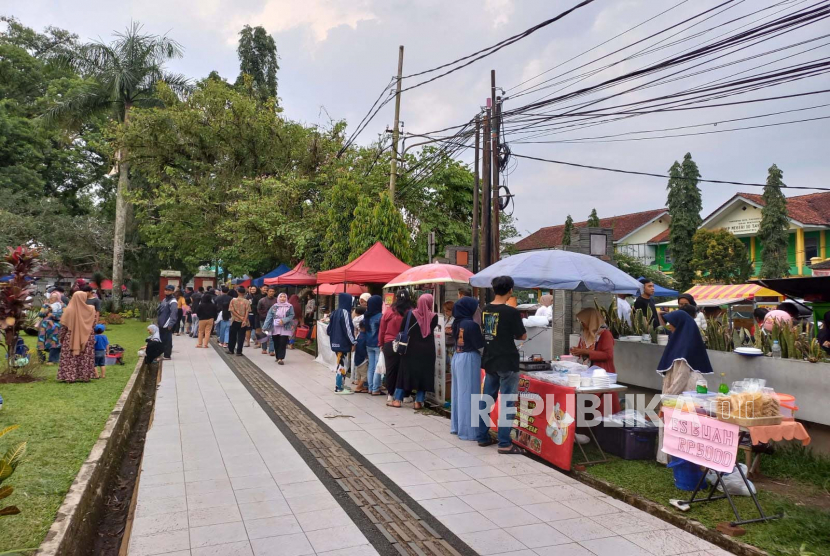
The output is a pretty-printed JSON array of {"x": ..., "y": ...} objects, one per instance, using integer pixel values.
[
  {"x": 623, "y": 225},
  {"x": 823, "y": 265},
  {"x": 812, "y": 209}
]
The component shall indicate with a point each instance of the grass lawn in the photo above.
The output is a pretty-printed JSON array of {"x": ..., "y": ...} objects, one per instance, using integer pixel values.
[
  {"x": 803, "y": 522},
  {"x": 61, "y": 423}
]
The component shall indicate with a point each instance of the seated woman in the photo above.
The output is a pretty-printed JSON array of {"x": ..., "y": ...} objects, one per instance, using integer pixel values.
[
  {"x": 546, "y": 308},
  {"x": 154, "y": 347},
  {"x": 596, "y": 348}
]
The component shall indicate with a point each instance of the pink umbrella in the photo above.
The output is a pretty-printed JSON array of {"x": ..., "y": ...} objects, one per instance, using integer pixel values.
[
  {"x": 435, "y": 273},
  {"x": 332, "y": 289}
]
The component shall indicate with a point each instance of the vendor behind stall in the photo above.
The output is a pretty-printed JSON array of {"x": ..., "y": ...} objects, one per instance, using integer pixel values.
[
  {"x": 546, "y": 309},
  {"x": 596, "y": 344},
  {"x": 683, "y": 361}
]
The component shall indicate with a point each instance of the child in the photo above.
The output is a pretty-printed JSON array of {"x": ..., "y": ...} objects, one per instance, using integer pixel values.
[
  {"x": 101, "y": 344},
  {"x": 361, "y": 360}
]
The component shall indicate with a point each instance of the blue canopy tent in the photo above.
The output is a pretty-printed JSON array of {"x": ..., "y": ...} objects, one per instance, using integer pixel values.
[
  {"x": 660, "y": 291},
  {"x": 279, "y": 271}
]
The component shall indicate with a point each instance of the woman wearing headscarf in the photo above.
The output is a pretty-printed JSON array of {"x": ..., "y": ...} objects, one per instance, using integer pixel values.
[
  {"x": 683, "y": 360},
  {"x": 596, "y": 344},
  {"x": 279, "y": 324},
  {"x": 417, "y": 366},
  {"x": 371, "y": 320},
  {"x": 546, "y": 309},
  {"x": 685, "y": 299},
  {"x": 47, "y": 337},
  {"x": 390, "y": 325},
  {"x": 253, "y": 296},
  {"x": 294, "y": 300},
  {"x": 341, "y": 333},
  {"x": 77, "y": 361},
  {"x": 154, "y": 347},
  {"x": 466, "y": 368}
]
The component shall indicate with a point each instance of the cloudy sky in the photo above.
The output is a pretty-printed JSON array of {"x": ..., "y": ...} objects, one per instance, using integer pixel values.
[{"x": 337, "y": 55}]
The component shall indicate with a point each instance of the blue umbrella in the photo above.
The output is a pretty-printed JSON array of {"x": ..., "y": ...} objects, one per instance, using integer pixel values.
[
  {"x": 660, "y": 291},
  {"x": 559, "y": 270},
  {"x": 279, "y": 271}
]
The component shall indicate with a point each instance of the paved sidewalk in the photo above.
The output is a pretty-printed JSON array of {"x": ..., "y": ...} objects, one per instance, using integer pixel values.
[
  {"x": 220, "y": 479},
  {"x": 498, "y": 505}
]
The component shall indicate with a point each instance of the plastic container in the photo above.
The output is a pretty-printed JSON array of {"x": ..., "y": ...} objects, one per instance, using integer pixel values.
[
  {"x": 628, "y": 442},
  {"x": 787, "y": 402},
  {"x": 687, "y": 475}
]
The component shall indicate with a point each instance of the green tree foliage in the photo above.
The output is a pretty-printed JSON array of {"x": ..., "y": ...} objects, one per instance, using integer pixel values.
[
  {"x": 774, "y": 229},
  {"x": 257, "y": 53},
  {"x": 379, "y": 220},
  {"x": 507, "y": 233},
  {"x": 568, "y": 230},
  {"x": 684, "y": 204},
  {"x": 593, "y": 220},
  {"x": 635, "y": 268},
  {"x": 122, "y": 75},
  {"x": 717, "y": 257}
]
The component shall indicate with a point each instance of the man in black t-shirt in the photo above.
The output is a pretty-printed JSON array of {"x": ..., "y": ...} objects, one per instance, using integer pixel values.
[
  {"x": 502, "y": 326},
  {"x": 646, "y": 302}
]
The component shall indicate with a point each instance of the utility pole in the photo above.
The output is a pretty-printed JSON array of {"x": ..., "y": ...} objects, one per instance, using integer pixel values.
[
  {"x": 496, "y": 102},
  {"x": 486, "y": 212},
  {"x": 476, "y": 185},
  {"x": 393, "y": 174},
  {"x": 431, "y": 247}
]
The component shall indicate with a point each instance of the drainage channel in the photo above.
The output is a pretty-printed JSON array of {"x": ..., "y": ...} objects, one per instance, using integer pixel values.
[{"x": 389, "y": 518}]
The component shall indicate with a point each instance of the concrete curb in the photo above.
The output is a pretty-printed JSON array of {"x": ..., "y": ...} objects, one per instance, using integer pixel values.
[
  {"x": 79, "y": 514},
  {"x": 653, "y": 508}
]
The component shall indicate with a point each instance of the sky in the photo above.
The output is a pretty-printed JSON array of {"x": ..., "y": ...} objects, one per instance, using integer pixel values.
[{"x": 336, "y": 56}]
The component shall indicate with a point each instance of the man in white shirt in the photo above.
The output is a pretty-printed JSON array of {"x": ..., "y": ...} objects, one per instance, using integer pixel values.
[{"x": 623, "y": 309}]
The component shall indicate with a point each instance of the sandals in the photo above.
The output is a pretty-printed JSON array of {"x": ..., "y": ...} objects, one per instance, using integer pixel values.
[
  {"x": 394, "y": 403},
  {"x": 361, "y": 391},
  {"x": 488, "y": 442},
  {"x": 376, "y": 393},
  {"x": 511, "y": 451},
  {"x": 417, "y": 405}
]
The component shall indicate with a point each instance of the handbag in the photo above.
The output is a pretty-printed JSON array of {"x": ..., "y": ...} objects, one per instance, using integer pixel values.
[{"x": 401, "y": 341}]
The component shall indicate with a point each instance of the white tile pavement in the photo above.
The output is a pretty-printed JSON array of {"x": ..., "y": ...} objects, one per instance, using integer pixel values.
[
  {"x": 499, "y": 505},
  {"x": 220, "y": 479}
]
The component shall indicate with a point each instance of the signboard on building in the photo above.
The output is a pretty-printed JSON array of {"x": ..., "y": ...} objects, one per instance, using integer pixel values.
[{"x": 743, "y": 225}]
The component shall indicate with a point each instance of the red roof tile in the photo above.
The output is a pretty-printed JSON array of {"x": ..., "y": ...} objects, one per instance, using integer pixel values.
[
  {"x": 550, "y": 237},
  {"x": 662, "y": 237},
  {"x": 807, "y": 209}
]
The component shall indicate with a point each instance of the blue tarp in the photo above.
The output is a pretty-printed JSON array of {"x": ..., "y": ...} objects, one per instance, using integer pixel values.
[
  {"x": 559, "y": 270},
  {"x": 279, "y": 271},
  {"x": 660, "y": 291}
]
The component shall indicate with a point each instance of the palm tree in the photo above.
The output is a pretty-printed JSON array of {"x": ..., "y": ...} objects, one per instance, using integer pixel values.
[{"x": 122, "y": 75}]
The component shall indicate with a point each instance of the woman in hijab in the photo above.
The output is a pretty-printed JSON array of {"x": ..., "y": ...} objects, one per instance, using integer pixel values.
[
  {"x": 294, "y": 300},
  {"x": 683, "y": 361},
  {"x": 546, "y": 310},
  {"x": 154, "y": 347},
  {"x": 390, "y": 325},
  {"x": 342, "y": 334},
  {"x": 279, "y": 324},
  {"x": 77, "y": 340},
  {"x": 466, "y": 368},
  {"x": 253, "y": 295},
  {"x": 687, "y": 299},
  {"x": 371, "y": 321},
  {"x": 596, "y": 344},
  {"x": 417, "y": 366},
  {"x": 47, "y": 337}
]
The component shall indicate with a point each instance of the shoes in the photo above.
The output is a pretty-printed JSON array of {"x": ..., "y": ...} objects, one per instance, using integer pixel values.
[
  {"x": 229, "y": 352},
  {"x": 418, "y": 405},
  {"x": 280, "y": 362},
  {"x": 168, "y": 358},
  {"x": 239, "y": 355}
]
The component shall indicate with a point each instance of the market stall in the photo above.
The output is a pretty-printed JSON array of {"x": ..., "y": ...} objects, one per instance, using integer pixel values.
[
  {"x": 570, "y": 271},
  {"x": 280, "y": 270},
  {"x": 376, "y": 266},
  {"x": 300, "y": 275},
  {"x": 435, "y": 275}
]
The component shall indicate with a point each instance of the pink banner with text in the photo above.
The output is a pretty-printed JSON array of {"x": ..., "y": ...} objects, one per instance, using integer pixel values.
[{"x": 702, "y": 440}]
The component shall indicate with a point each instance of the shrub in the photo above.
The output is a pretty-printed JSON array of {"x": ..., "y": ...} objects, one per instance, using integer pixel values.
[
  {"x": 114, "y": 318},
  {"x": 8, "y": 463}
]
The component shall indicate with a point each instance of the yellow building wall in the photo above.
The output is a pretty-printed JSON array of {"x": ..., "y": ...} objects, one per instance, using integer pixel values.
[{"x": 648, "y": 232}]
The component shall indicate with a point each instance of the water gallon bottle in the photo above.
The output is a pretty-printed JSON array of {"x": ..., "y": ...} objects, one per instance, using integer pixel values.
[{"x": 776, "y": 350}]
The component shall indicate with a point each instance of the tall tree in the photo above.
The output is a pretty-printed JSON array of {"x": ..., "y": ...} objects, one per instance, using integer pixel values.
[
  {"x": 717, "y": 256},
  {"x": 568, "y": 230},
  {"x": 123, "y": 75},
  {"x": 593, "y": 220},
  {"x": 257, "y": 53},
  {"x": 684, "y": 204},
  {"x": 774, "y": 229},
  {"x": 384, "y": 224}
]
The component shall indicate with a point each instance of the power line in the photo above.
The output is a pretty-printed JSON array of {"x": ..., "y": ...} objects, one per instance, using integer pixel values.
[{"x": 664, "y": 176}]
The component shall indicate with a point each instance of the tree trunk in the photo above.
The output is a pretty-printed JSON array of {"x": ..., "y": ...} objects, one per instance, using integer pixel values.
[{"x": 120, "y": 234}]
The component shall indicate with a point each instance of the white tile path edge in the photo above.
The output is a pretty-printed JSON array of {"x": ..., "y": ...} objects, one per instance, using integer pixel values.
[
  {"x": 499, "y": 505},
  {"x": 219, "y": 478}
]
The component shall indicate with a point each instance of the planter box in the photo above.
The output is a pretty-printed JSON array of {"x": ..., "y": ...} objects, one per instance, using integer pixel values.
[{"x": 636, "y": 364}]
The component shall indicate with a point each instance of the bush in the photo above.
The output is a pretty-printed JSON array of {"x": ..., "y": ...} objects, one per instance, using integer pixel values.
[{"x": 114, "y": 318}]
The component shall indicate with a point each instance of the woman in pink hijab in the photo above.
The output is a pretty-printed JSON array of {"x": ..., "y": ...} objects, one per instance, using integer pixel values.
[{"x": 417, "y": 366}]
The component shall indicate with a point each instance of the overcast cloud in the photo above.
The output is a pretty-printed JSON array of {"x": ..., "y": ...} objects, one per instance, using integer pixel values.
[{"x": 337, "y": 55}]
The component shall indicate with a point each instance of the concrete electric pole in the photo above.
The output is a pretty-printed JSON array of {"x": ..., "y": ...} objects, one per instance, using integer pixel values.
[{"x": 393, "y": 174}]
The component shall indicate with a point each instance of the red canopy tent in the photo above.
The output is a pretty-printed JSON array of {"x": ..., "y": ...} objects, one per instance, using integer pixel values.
[
  {"x": 298, "y": 276},
  {"x": 334, "y": 289},
  {"x": 376, "y": 266},
  {"x": 106, "y": 285}
]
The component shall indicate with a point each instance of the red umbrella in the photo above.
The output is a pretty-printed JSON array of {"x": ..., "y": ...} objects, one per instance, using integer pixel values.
[{"x": 332, "y": 289}]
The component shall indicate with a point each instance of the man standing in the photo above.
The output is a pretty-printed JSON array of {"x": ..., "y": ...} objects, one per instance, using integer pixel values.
[
  {"x": 168, "y": 316},
  {"x": 502, "y": 326},
  {"x": 239, "y": 308},
  {"x": 92, "y": 298},
  {"x": 623, "y": 308},
  {"x": 222, "y": 301},
  {"x": 646, "y": 302},
  {"x": 195, "y": 298},
  {"x": 262, "y": 309}
]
